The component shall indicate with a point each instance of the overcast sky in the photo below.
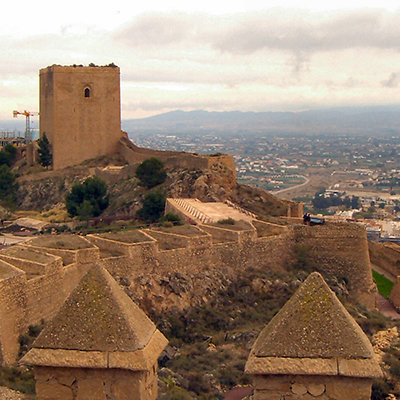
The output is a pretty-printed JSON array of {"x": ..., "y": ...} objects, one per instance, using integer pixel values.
[{"x": 239, "y": 56}]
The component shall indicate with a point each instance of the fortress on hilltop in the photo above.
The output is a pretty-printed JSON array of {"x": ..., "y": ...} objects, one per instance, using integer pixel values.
[
  {"x": 98, "y": 344},
  {"x": 80, "y": 113}
]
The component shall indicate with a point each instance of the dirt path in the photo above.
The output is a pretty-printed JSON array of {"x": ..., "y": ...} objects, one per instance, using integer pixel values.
[
  {"x": 386, "y": 308},
  {"x": 381, "y": 271},
  {"x": 384, "y": 305}
]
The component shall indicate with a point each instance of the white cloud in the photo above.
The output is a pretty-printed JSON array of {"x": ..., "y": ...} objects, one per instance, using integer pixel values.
[{"x": 269, "y": 60}]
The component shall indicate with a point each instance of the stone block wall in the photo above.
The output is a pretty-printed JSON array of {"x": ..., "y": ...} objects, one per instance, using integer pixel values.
[
  {"x": 395, "y": 294},
  {"x": 118, "y": 266},
  {"x": 80, "y": 112},
  {"x": 44, "y": 296},
  {"x": 13, "y": 301},
  {"x": 26, "y": 302},
  {"x": 342, "y": 251},
  {"x": 298, "y": 387},
  {"x": 265, "y": 229},
  {"x": 386, "y": 256},
  {"x": 31, "y": 268},
  {"x": 110, "y": 245},
  {"x": 94, "y": 384},
  {"x": 221, "y": 234}
]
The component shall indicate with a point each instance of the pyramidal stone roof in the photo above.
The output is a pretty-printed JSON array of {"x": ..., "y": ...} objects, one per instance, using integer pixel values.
[
  {"x": 98, "y": 320},
  {"x": 98, "y": 315},
  {"x": 313, "y": 333}
]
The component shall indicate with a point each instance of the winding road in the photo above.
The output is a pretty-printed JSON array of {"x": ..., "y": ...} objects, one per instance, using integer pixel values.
[{"x": 293, "y": 187}]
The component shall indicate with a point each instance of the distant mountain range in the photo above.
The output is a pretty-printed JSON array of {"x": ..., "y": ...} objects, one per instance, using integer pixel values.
[
  {"x": 382, "y": 120},
  {"x": 375, "y": 121}
]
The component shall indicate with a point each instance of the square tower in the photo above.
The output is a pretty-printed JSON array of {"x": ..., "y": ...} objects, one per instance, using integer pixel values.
[{"x": 80, "y": 112}]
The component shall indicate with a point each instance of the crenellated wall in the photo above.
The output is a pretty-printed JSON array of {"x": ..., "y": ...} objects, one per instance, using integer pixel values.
[{"x": 188, "y": 260}]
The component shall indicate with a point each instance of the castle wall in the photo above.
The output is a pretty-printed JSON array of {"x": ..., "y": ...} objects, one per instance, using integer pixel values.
[
  {"x": 298, "y": 387},
  {"x": 94, "y": 384},
  {"x": 386, "y": 256},
  {"x": 13, "y": 301},
  {"x": 169, "y": 241},
  {"x": 80, "y": 125},
  {"x": 395, "y": 294},
  {"x": 44, "y": 296},
  {"x": 341, "y": 250},
  {"x": 136, "y": 155},
  {"x": 31, "y": 268},
  {"x": 118, "y": 266},
  {"x": 337, "y": 249}
]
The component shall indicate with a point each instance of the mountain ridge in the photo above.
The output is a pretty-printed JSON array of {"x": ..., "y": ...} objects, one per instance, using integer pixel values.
[{"x": 345, "y": 120}]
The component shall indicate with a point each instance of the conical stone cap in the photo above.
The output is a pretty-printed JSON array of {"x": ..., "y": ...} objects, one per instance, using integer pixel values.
[
  {"x": 98, "y": 326},
  {"x": 312, "y": 326},
  {"x": 98, "y": 315}
]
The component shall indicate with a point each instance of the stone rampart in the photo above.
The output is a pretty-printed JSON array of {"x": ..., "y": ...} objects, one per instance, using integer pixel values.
[
  {"x": 136, "y": 155},
  {"x": 118, "y": 266},
  {"x": 337, "y": 249},
  {"x": 220, "y": 234},
  {"x": 168, "y": 241},
  {"x": 26, "y": 302},
  {"x": 340, "y": 250},
  {"x": 68, "y": 256},
  {"x": 395, "y": 294},
  {"x": 13, "y": 300},
  {"x": 265, "y": 229},
  {"x": 44, "y": 296},
  {"x": 386, "y": 256},
  {"x": 110, "y": 245}
]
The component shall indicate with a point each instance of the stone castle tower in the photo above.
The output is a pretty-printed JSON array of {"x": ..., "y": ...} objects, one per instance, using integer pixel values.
[{"x": 80, "y": 112}]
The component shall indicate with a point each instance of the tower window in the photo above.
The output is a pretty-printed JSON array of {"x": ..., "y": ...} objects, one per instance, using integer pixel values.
[{"x": 87, "y": 92}]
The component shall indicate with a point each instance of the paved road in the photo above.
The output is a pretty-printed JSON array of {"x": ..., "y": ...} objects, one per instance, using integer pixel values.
[{"x": 293, "y": 187}]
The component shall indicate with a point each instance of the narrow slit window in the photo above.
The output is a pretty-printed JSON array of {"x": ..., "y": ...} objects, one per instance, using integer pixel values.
[{"x": 87, "y": 92}]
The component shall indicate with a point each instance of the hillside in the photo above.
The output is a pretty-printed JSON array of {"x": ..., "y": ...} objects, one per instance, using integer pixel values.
[{"x": 47, "y": 189}]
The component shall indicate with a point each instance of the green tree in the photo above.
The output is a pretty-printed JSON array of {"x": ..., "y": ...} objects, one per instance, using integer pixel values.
[
  {"x": 87, "y": 199},
  {"x": 153, "y": 206},
  {"x": 8, "y": 186},
  {"x": 151, "y": 172},
  {"x": 44, "y": 150},
  {"x": 8, "y": 155},
  {"x": 12, "y": 151}
]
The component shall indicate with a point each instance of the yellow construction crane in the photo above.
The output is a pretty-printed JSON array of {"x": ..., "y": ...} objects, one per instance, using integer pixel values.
[{"x": 28, "y": 115}]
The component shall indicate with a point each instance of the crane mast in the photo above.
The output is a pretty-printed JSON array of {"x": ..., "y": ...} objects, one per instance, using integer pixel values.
[{"x": 28, "y": 115}]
